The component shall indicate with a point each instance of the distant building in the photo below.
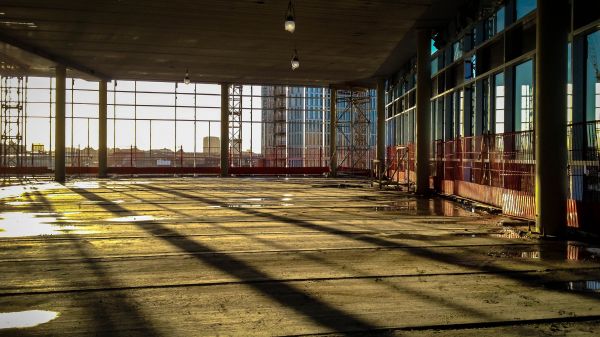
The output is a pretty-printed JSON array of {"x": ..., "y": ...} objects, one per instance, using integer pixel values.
[
  {"x": 306, "y": 132},
  {"x": 211, "y": 145}
]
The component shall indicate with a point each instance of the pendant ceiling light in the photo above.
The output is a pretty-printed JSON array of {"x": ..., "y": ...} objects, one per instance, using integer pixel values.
[
  {"x": 295, "y": 60},
  {"x": 290, "y": 18},
  {"x": 186, "y": 79}
]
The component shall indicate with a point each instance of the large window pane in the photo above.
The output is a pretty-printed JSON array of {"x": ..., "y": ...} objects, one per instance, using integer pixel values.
[
  {"x": 524, "y": 96},
  {"x": 524, "y": 7},
  {"x": 499, "y": 102},
  {"x": 593, "y": 77}
]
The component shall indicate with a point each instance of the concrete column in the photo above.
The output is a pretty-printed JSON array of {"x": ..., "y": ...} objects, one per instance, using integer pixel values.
[
  {"x": 333, "y": 133},
  {"x": 550, "y": 116},
  {"x": 102, "y": 130},
  {"x": 224, "y": 130},
  {"x": 381, "y": 124},
  {"x": 423, "y": 118},
  {"x": 59, "y": 131}
]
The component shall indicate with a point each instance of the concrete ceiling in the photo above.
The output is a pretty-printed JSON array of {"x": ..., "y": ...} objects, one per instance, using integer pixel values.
[{"x": 339, "y": 42}]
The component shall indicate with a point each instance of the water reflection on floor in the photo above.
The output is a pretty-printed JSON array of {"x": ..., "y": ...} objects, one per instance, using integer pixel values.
[
  {"x": 18, "y": 190},
  {"x": 18, "y": 224},
  {"x": 434, "y": 207},
  {"x": 586, "y": 286},
  {"x": 85, "y": 184},
  {"x": 26, "y": 319},
  {"x": 570, "y": 251},
  {"x": 133, "y": 218}
]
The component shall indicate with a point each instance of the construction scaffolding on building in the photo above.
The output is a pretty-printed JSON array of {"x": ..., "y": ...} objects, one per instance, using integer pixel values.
[
  {"x": 235, "y": 125},
  {"x": 12, "y": 121},
  {"x": 280, "y": 126},
  {"x": 353, "y": 130}
]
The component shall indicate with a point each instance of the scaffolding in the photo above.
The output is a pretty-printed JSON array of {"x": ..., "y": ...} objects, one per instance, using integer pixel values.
[
  {"x": 235, "y": 125},
  {"x": 280, "y": 126},
  {"x": 12, "y": 120},
  {"x": 353, "y": 128}
]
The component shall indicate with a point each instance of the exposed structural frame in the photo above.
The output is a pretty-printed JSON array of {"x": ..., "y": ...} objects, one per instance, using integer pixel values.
[
  {"x": 353, "y": 127},
  {"x": 280, "y": 127},
  {"x": 13, "y": 96},
  {"x": 235, "y": 125}
]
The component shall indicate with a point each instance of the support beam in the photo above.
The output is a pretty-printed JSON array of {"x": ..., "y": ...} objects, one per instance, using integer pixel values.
[
  {"x": 423, "y": 116},
  {"x": 224, "y": 130},
  {"x": 59, "y": 132},
  {"x": 550, "y": 116},
  {"x": 333, "y": 133},
  {"x": 102, "y": 130},
  {"x": 381, "y": 126}
]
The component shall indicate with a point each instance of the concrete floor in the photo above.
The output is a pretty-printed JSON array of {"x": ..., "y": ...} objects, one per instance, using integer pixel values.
[{"x": 262, "y": 257}]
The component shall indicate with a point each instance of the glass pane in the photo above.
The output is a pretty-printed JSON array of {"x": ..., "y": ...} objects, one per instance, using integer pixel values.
[
  {"x": 499, "y": 102},
  {"x": 524, "y": 7},
  {"x": 593, "y": 77},
  {"x": 524, "y": 96},
  {"x": 500, "y": 17}
]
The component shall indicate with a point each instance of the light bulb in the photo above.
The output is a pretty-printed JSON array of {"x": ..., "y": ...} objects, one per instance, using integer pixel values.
[
  {"x": 295, "y": 63},
  {"x": 290, "y": 24},
  {"x": 186, "y": 79}
]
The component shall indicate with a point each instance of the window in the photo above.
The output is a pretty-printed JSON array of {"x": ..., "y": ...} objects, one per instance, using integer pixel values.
[
  {"x": 433, "y": 120},
  {"x": 592, "y": 86},
  {"x": 485, "y": 113},
  {"x": 500, "y": 18},
  {"x": 569, "y": 85},
  {"x": 434, "y": 66},
  {"x": 499, "y": 102},
  {"x": 433, "y": 48},
  {"x": 457, "y": 50},
  {"x": 461, "y": 113},
  {"x": 495, "y": 23},
  {"x": 524, "y": 96},
  {"x": 473, "y": 112},
  {"x": 470, "y": 66},
  {"x": 440, "y": 119},
  {"x": 524, "y": 7}
]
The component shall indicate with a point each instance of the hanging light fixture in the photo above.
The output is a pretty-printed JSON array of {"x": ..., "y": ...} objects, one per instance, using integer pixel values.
[
  {"x": 295, "y": 60},
  {"x": 290, "y": 23},
  {"x": 186, "y": 79}
]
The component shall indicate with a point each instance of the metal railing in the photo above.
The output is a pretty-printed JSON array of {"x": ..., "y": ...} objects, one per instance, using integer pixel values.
[
  {"x": 584, "y": 161},
  {"x": 502, "y": 160}
]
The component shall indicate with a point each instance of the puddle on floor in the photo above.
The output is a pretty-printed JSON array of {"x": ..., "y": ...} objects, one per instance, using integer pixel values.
[
  {"x": 127, "y": 182},
  {"x": 101, "y": 202},
  {"x": 18, "y": 203},
  {"x": 245, "y": 205},
  {"x": 133, "y": 218},
  {"x": 26, "y": 319},
  {"x": 570, "y": 251},
  {"x": 587, "y": 286},
  {"x": 339, "y": 186},
  {"x": 18, "y": 190},
  {"x": 245, "y": 199},
  {"x": 85, "y": 184},
  {"x": 18, "y": 224},
  {"x": 437, "y": 207}
]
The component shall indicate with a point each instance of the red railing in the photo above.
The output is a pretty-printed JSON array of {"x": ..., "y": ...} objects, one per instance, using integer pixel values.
[{"x": 502, "y": 160}]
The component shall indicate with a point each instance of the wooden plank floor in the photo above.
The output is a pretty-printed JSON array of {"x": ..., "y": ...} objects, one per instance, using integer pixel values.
[{"x": 278, "y": 257}]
